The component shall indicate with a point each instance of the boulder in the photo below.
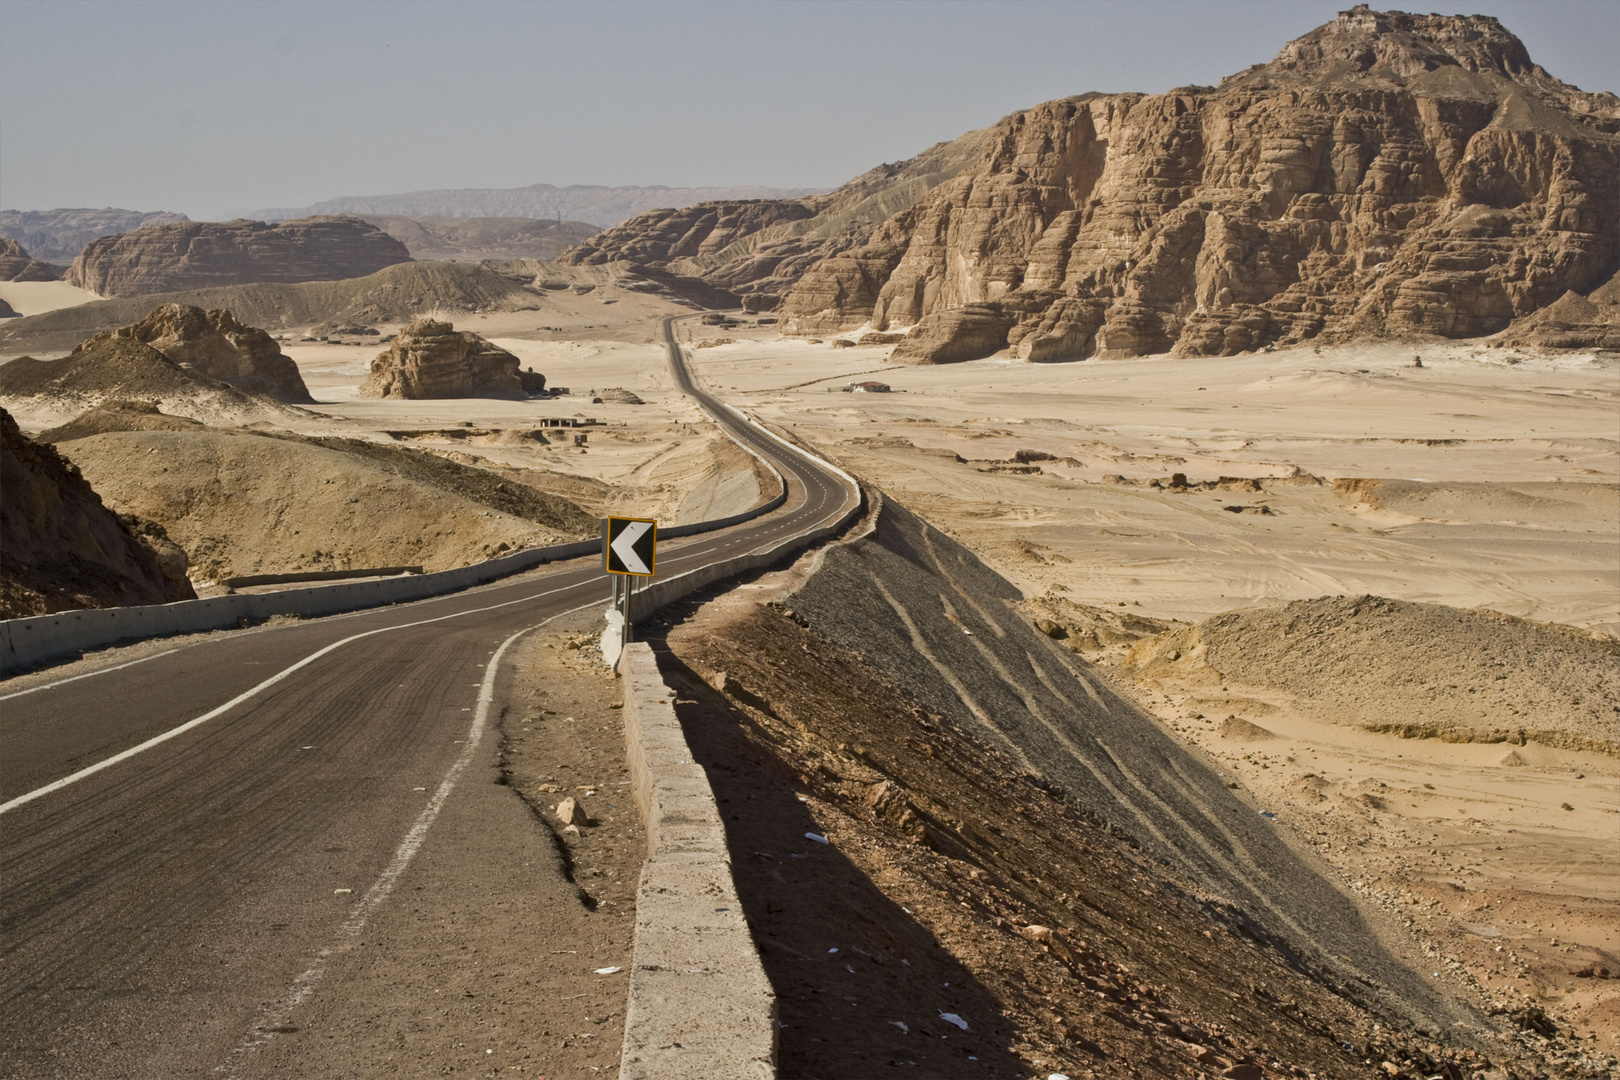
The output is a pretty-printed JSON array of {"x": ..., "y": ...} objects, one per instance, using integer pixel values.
[
  {"x": 432, "y": 359},
  {"x": 217, "y": 345},
  {"x": 201, "y": 254},
  {"x": 61, "y": 548},
  {"x": 17, "y": 265}
]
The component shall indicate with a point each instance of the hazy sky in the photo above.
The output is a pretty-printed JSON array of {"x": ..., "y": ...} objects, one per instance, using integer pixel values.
[{"x": 209, "y": 107}]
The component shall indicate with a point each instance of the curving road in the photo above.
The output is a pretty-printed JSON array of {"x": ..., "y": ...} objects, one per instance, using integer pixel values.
[{"x": 168, "y": 827}]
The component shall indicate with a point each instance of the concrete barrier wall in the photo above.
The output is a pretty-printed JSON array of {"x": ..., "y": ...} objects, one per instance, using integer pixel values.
[
  {"x": 700, "y": 1006},
  {"x": 40, "y": 638}
]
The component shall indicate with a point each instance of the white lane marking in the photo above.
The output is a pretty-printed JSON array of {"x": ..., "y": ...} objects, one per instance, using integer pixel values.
[
  {"x": 304, "y": 984},
  {"x": 157, "y": 740},
  {"x": 86, "y": 675}
]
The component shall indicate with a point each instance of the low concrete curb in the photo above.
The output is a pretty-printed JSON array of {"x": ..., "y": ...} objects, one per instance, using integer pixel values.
[{"x": 700, "y": 1006}]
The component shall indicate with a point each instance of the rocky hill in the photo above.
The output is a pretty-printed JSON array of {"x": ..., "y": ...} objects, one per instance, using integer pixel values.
[
  {"x": 199, "y": 254},
  {"x": 244, "y": 503},
  {"x": 475, "y": 239},
  {"x": 603, "y": 207},
  {"x": 432, "y": 359},
  {"x": 60, "y": 548},
  {"x": 217, "y": 345},
  {"x": 118, "y": 368},
  {"x": 397, "y": 293},
  {"x": 59, "y": 235},
  {"x": 1385, "y": 175},
  {"x": 17, "y": 265}
]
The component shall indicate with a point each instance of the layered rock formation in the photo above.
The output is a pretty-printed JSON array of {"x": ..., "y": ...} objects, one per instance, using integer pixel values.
[
  {"x": 59, "y": 235},
  {"x": 397, "y": 293},
  {"x": 475, "y": 239},
  {"x": 60, "y": 548},
  {"x": 110, "y": 368},
  {"x": 200, "y": 254},
  {"x": 220, "y": 347},
  {"x": 1386, "y": 175},
  {"x": 432, "y": 359},
  {"x": 753, "y": 252},
  {"x": 17, "y": 265}
]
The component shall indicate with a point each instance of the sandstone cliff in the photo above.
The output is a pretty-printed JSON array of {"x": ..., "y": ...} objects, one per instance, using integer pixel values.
[
  {"x": 60, "y": 548},
  {"x": 217, "y": 345},
  {"x": 432, "y": 359},
  {"x": 59, "y": 235},
  {"x": 17, "y": 265},
  {"x": 1385, "y": 175},
  {"x": 200, "y": 254},
  {"x": 752, "y": 252}
]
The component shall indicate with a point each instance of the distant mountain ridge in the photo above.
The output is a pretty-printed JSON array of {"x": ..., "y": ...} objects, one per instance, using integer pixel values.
[
  {"x": 1386, "y": 175},
  {"x": 59, "y": 235},
  {"x": 603, "y": 207}
]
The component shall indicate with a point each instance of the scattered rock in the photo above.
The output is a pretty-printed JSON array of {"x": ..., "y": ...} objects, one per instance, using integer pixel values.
[
  {"x": 614, "y": 395},
  {"x": 1235, "y": 727},
  {"x": 570, "y": 812}
]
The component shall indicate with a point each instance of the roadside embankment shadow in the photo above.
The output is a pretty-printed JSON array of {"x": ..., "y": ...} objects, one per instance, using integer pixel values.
[{"x": 861, "y": 985}]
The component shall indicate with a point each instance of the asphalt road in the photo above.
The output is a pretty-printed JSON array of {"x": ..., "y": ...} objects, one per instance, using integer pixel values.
[{"x": 175, "y": 833}]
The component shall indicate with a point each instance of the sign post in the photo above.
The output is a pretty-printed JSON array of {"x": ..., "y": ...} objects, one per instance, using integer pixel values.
[{"x": 629, "y": 551}]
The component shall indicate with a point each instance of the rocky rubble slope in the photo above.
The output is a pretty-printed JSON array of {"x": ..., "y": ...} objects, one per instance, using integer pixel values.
[
  {"x": 60, "y": 548},
  {"x": 432, "y": 359},
  {"x": 200, "y": 254},
  {"x": 1385, "y": 174},
  {"x": 17, "y": 265},
  {"x": 59, "y": 235},
  {"x": 216, "y": 344}
]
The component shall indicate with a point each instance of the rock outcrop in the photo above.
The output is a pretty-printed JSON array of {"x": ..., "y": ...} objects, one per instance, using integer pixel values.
[
  {"x": 1572, "y": 321},
  {"x": 59, "y": 235},
  {"x": 61, "y": 548},
  {"x": 201, "y": 254},
  {"x": 217, "y": 345},
  {"x": 398, "y": 293},
  {"x": 432, "y": 359},
  {"x": 108, "y": 368},
  {"x": 118, "y": 415},
  {"x": 17, "y": 265},
  {"x": 1385, "y": 175}
]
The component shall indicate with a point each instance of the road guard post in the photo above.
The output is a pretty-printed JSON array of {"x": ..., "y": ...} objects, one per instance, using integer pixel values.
[{"x": 629, "y": 551}]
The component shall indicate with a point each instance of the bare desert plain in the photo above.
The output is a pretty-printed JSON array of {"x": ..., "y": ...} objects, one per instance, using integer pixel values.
[
  {"x": 1130, "y": 500},
  {"x": 1179, "y": 489}
]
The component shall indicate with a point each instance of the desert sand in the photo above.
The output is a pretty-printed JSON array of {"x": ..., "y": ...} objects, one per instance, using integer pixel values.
[{"x": 38, "y": 297}]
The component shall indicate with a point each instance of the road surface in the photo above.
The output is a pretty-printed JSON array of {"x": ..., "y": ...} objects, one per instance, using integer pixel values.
[{"x": 174, "y": 833}]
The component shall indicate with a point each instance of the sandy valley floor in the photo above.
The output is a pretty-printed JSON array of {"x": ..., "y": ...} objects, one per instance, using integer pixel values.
[{"x": 1482, "y": 478}]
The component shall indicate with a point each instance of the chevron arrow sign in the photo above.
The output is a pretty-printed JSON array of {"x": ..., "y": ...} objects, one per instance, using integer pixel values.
[{"x": 630, "y": 545}]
